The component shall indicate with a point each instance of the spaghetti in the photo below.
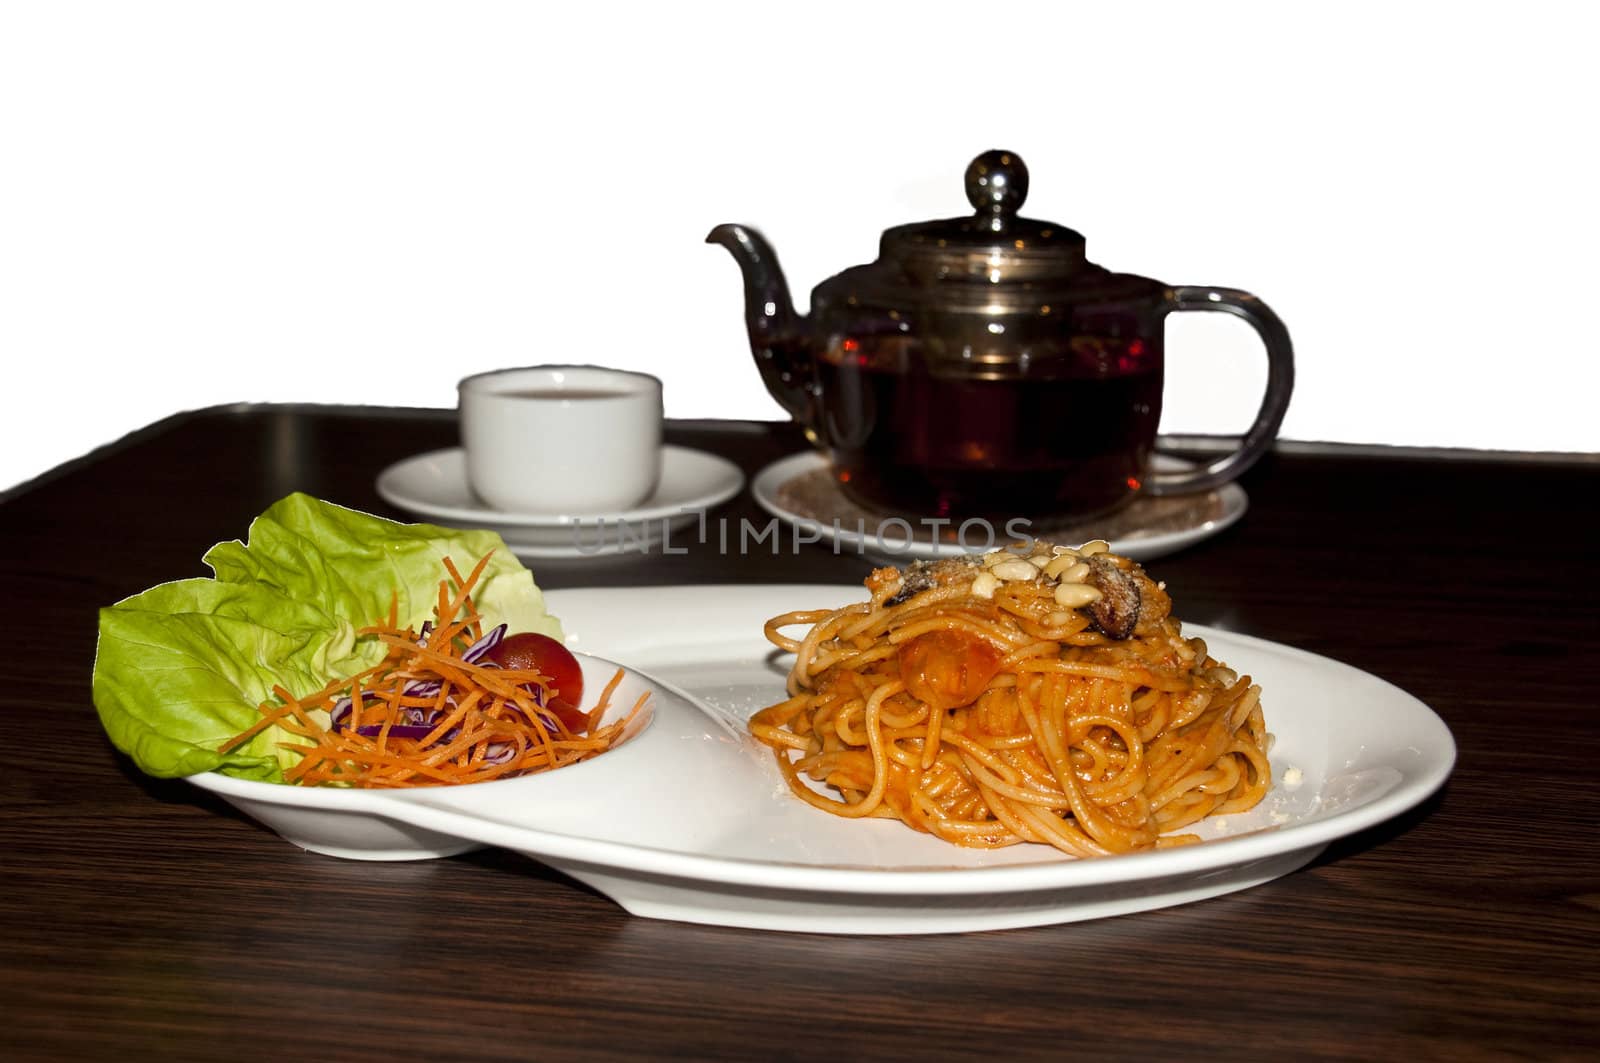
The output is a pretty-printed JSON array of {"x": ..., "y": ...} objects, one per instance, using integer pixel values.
[{"x": 1047, "y": 698}]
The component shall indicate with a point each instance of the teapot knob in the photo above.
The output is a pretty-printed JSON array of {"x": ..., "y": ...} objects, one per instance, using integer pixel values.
[{"x": 997, "y": 183}]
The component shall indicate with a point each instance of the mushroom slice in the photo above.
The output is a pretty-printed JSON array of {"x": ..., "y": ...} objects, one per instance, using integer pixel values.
[
  {"x": 922, "y": 576},
  {"x": 1116, "y": 613}
]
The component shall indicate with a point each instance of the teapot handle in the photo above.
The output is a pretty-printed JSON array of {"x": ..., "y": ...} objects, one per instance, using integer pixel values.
[{"x": 1280, "y": 383}]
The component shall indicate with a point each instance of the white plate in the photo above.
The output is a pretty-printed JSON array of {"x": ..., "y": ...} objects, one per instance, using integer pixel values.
[
  {"x": 799, "y": 490},
  {"x": 434, "y": 485},
  {"x": 692, "y": 821}
]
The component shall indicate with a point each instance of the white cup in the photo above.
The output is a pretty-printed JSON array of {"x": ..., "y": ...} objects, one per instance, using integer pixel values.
[{"x": 562, "y": 439}]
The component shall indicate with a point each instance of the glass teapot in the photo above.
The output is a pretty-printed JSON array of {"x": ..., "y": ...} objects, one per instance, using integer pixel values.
[{"x": 982, "y": 367}]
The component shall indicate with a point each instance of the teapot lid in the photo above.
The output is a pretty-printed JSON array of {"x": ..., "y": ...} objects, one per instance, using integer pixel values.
[{"x": 993, "y": 244}]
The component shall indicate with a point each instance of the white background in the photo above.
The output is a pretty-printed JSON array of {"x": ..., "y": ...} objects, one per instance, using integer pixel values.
[{"x": 357, "y": 202}]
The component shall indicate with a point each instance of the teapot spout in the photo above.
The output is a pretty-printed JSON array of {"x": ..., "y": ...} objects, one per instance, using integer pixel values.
[
  {"x": 767, "y": 305},
  {"x": 777, "y": 333}
]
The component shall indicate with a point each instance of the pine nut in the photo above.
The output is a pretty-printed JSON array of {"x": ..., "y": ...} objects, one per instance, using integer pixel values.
[
  {"x": 1057, "y": 618},
  {"x": 1039, "y": 560},
  {"x": 1076, "y": 595},
  {"x": 1094, "y": 546},
  {"x": 984, "y": 584},
  {"x": 1014, "y": 569},
  {"x": 1060, "y": 567},
  {"x": 1077, "y": 573}
]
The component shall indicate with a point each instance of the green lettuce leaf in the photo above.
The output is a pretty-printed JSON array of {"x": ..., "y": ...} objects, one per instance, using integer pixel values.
[{"x": 184, "y": 666}]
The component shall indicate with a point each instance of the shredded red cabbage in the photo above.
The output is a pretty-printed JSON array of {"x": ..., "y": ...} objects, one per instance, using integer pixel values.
[{"x": 417, "y": 722}]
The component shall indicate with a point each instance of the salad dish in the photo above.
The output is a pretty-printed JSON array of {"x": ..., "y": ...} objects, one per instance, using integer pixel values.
[{"x": 339, "y": 649}]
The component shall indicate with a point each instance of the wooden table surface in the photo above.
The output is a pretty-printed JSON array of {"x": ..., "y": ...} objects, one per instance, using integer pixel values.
[{"x": 140, "y": 919}]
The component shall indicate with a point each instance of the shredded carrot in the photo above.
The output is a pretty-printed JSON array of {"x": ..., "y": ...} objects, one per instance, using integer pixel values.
[{"x": 484, "y": 723}]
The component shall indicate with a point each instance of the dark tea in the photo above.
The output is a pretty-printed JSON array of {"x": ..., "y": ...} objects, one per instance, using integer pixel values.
[{"x": 912, "y": 435}]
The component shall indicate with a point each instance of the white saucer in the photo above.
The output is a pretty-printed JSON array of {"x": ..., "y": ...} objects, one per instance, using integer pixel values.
[
  {"x": 434, "y": 486},
  {"x": 801, "y": 490}
]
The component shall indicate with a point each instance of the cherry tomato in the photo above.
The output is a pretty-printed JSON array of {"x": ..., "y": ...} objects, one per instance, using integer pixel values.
[
  {"x": 543, "y": 654},
  {"x": 947, "y": 669},
  {"x": 573, "y": 720}
]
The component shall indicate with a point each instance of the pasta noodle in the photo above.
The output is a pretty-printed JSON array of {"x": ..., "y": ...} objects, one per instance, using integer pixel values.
[{"x": 990, "y": 704}]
